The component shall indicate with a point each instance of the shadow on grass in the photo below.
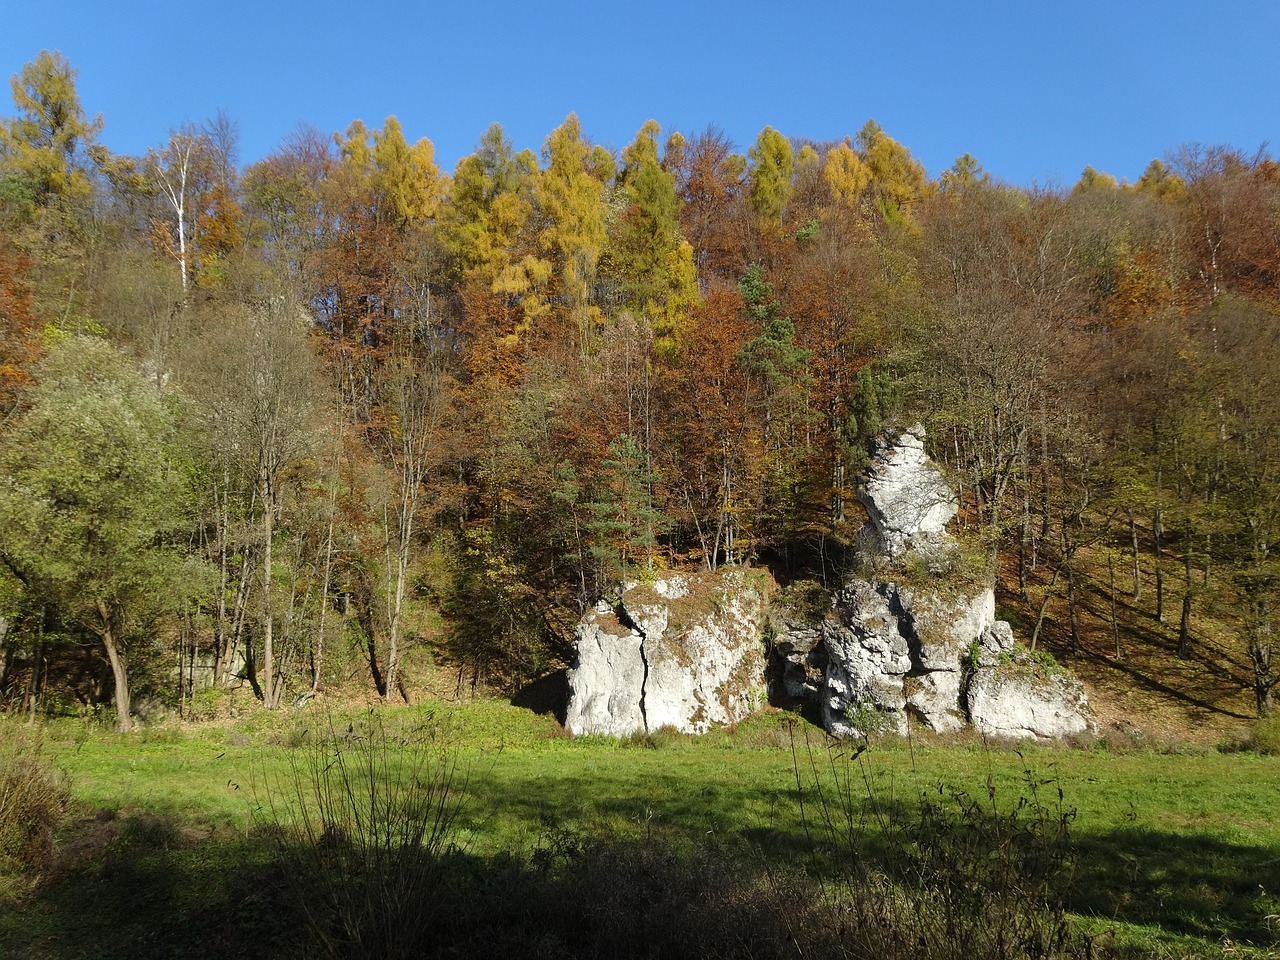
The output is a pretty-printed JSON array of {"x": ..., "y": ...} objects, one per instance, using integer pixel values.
[
  {"x": 620, "y": 805},
  {"x": 615, "y": 875},
  {"x": 576, "y": 897},
  {"x": 141, "y": 889},
  {"x": 1194, "y": 885}
]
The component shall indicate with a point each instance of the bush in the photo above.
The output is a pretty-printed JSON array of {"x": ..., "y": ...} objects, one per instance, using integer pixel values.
[
  {"x": 33, "y": 798},
  {"x": 1266, "y": 735},
  {"x": 950, "y": 876},
  {"x": 365, "y": 821}
]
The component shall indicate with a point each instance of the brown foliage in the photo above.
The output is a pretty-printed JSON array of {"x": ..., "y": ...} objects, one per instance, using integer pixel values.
[{"x": 19, "y": 340}]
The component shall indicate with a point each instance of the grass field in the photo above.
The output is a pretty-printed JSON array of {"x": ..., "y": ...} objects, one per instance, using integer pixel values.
[{"x": 168, "y": 851}]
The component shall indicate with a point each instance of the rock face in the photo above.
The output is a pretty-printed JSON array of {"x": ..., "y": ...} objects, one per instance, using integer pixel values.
[
  {"x": 908, "y": 502},
  {"x": 928, "y": 647},
  {"x": 1015, "y": 696},
  {"x": 912, "y": 641},
  {"x": 684, "y": 652}
]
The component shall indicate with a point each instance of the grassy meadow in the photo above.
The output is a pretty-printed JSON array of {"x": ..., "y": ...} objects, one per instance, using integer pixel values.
[{"x": 174, "y": 839}]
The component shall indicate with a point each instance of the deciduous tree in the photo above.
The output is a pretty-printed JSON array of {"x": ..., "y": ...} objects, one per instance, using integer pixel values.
[{"x": 95, "y": 500}]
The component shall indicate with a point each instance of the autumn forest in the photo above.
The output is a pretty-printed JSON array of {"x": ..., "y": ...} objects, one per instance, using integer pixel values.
[{"x": 338, "y": 417}]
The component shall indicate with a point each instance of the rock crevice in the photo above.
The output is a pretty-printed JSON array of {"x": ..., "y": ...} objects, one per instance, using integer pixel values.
[{"x": 683, "y": 652}]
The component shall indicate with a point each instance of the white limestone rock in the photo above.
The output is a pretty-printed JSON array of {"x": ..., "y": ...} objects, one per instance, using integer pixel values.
[
  {"x": 930, "y": 651},
  {"x": 897, "y": 651},
  {"x": 606, "y": 686},
  {"x": 1017, "y": 698},
  {"x": 908, "y": 502},
  {"x": 685, "y": 652}
]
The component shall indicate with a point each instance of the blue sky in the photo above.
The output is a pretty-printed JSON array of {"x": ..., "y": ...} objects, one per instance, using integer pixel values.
[{"x": 1034, "y": 89}]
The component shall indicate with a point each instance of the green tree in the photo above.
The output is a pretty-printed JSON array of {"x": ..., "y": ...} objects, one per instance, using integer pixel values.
[
  {"x": 626, "y": 521},
  {"x": 777, "y": 371},
  {"x": 648, "y": 260},
  {"x": 486, "y": 206},
  {"x": 965, "y": 174},
  {"x": 94, "y": 499}
]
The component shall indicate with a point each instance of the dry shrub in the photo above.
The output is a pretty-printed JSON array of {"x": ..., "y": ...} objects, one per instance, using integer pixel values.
[
  {"x": 946, "y": 876},
  {"x": 365, "y": 819},
  {"x": 33, "y": 798},
  {"x": 1266, "y": 735},
  {"x": 367, "y": 826}
]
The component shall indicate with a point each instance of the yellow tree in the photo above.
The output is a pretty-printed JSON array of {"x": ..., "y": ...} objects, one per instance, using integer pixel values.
[
  {"x": 771, "y": 166},
  {"x": 569, "y": 193},
  {"x": 43, "y": 145},
  {"x": 897, "y": 178},
  {"x": 846, "y": 175},
  {"x": 405, "y": 179}
]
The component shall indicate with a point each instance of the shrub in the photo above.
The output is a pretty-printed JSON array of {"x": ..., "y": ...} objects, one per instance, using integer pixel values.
[
  {"x": 807, "y": 600},
  {"x": 1266, "y": 735},
  {"x": 365, "y": 821},
  {"x": 950, "y": 876},
  {"x": 33, "y": 798}
]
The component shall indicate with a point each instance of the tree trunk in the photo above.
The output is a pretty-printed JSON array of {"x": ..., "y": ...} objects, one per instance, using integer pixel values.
[
  {"x": 1044, "y": 606},
  {"x": 318, "y": 654},
  {"x": 115, "y": 657},
  {"x": 1157, "y": 535},
  {"x": 270, "y": 691},
  {"x": 8, "y": 654},
  {"x": 1259, "y": 633},
  {"x": 1115, "y": 621},
  {"x": 404, "y": 531},
  {"x": 1137, "y": 570},
  {"x": 1073, "y": 612},
  {"x": 1264, "y": 678},
  {"x": 1184, "y": 624},
  {"x": 239, "y": 611},
  {"x": 37, "y": 668},
  {"x": 1024, "y": 543}
]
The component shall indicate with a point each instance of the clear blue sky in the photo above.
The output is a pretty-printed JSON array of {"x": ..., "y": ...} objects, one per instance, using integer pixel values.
[{"x": 1035, "y": 89}]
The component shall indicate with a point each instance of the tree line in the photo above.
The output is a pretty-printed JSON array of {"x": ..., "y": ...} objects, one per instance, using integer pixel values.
[{"x": 336, "y": 414}]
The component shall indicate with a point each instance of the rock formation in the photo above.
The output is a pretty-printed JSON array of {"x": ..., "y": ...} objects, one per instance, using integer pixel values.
[
  {"x": 683, "y": 652},
  {"x": 916, "y": 639},
  {"x": 908, "y": 502},
  {"x": 913, "y": 640}
]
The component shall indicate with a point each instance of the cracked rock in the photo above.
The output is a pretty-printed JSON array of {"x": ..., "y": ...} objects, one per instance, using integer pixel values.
[{"x": 684, "y": 652}]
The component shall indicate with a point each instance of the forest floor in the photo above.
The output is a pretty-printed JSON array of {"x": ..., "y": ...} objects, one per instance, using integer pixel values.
[{"x": 1140, "y": 689}]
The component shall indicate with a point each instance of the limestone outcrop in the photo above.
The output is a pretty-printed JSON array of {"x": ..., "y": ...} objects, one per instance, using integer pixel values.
[
  {"x": 682, "y": 652},
  {"x": 916, "y": 639},
  {"x": 908, "y": 502},
  {"x": 1017, "y": 696}
]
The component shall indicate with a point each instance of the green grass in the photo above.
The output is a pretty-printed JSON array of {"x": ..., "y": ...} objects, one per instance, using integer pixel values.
[{"x": 1176, "y": 854}]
